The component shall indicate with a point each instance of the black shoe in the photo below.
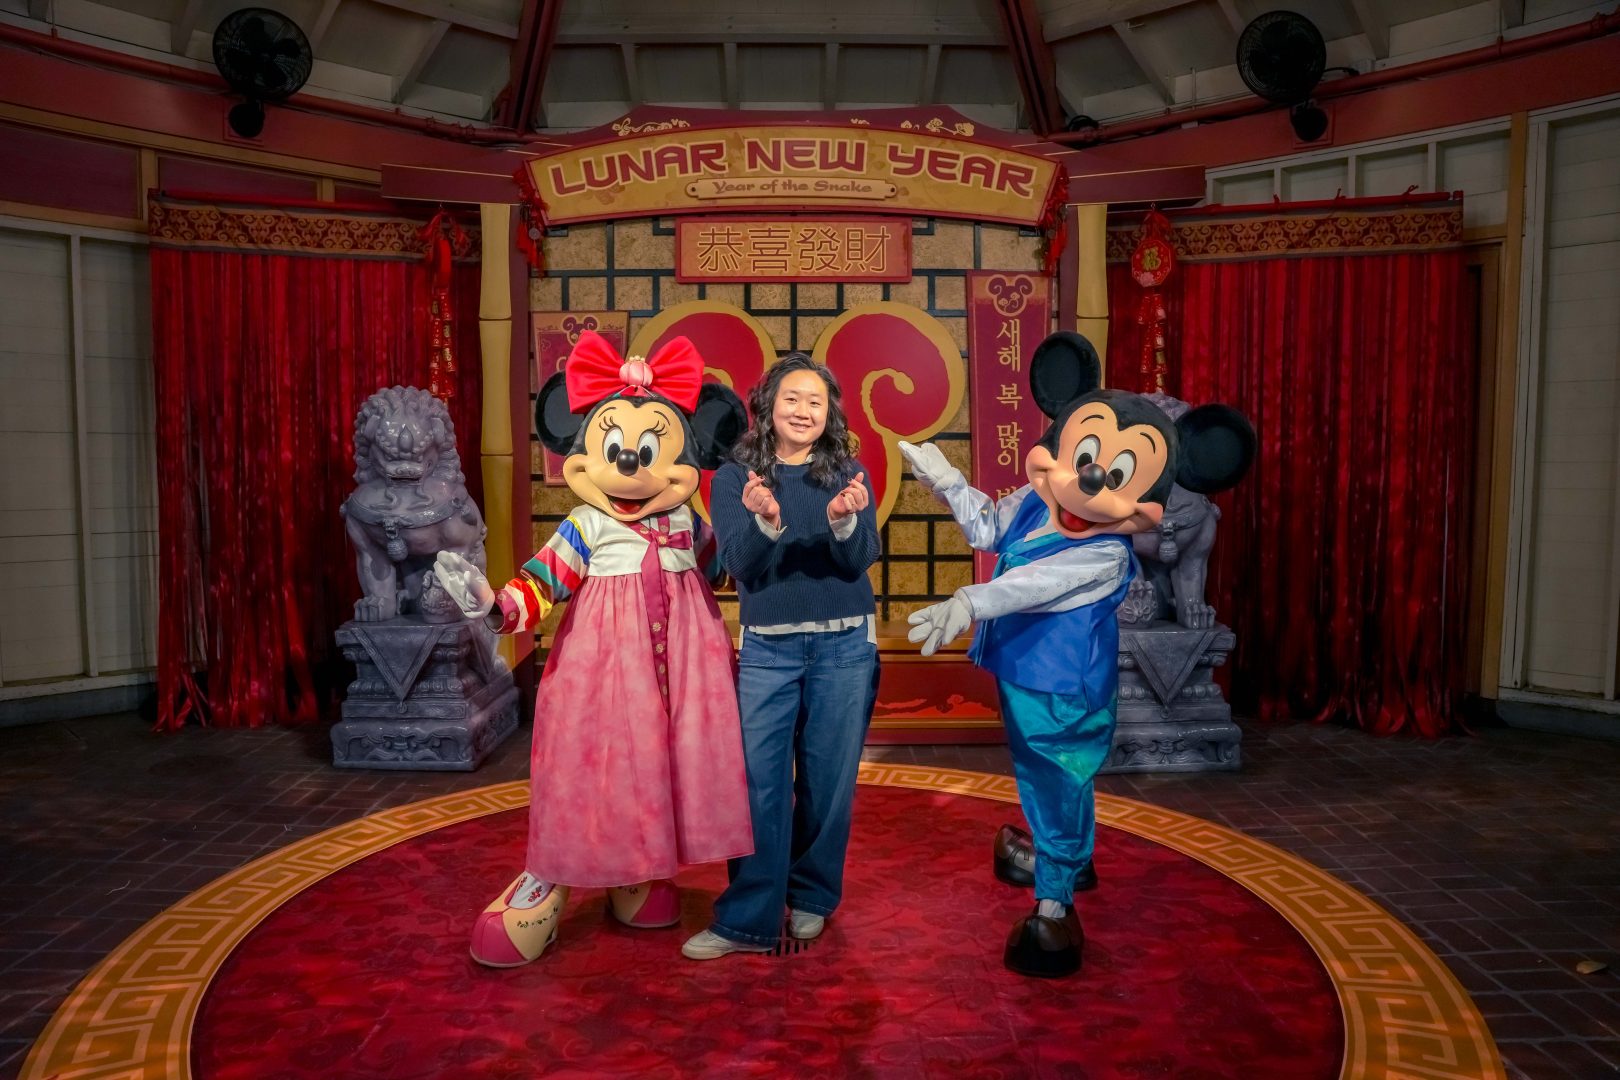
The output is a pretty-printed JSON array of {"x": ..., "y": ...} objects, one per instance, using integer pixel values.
[
  {"x": 1086, "y": 879},
  {"x": 1014, "y": 856},
  {"x": 1045, "y": 948},
  {"x": 1014, "y": 861}
]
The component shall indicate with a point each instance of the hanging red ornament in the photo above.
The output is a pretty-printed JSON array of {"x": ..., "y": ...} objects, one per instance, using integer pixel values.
[
  {"x": 441, "y": 236},
  {"x": 1054, "y": 222},
  {"x": 1151, "y": 264},
  {"x": 531, "y": 230}
]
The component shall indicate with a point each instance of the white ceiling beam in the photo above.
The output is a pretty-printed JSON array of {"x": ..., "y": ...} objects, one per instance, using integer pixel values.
[
  {"x": 1229, "y": 9},
  {"x": 632, "y": 76},
  {"x": 1155, "y": 78},
  {"x": 829, "y": 77},
  {"x": 732, "y": 89},
  {"x": 430, "y": 45},
  {"x": 1070, "y": 95},
  {"x": 928, "y": 93},
  {"x": 184, "y": 26},
  {"x": 812, "y": 28},
  {"x": 323, "y": 23},
  {"x": 1512, "y": 14},
  {"x": 1374, "y": 25},
  {"x": 433, "y": 9},
  {"x": 1088, "y": 15}
]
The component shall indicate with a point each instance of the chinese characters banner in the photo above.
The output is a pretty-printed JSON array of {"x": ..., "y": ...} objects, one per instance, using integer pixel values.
[
  {"x": 1009, "y": 313},
  {"x": 793, "y": 249},
  {"x": 555, "y": 334}
]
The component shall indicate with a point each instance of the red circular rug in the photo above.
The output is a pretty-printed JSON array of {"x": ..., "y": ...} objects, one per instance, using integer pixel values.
[{"x": 1187, "y": 974}]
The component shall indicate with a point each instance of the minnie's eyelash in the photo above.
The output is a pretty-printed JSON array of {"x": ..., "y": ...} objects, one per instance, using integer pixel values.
[{"x": 661, "y": 429}]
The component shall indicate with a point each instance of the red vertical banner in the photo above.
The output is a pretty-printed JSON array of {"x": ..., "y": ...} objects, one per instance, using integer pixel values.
[
  {"x": 555, "y": 334},
  {"x": 1009, "y": 313}
]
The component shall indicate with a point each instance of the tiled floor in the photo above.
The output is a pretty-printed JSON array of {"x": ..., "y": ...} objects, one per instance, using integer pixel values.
[{"x": 1500, "y": 849}]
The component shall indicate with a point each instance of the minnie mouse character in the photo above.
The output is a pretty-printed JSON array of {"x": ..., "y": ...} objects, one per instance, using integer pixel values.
[
  {"x": 1047, "y": 624},
  {"x": 637, "y": 767}
]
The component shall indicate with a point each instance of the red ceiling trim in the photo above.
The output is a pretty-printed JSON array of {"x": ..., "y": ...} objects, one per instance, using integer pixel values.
[
  {"x": 1032, "y": 60},
  {"x": 531, "y": 53}
]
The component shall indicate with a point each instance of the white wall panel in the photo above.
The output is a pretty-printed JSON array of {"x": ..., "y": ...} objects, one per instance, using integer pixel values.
[
  {"x": 41, "y": 629},
  {"x": 1571, "y": 562}
]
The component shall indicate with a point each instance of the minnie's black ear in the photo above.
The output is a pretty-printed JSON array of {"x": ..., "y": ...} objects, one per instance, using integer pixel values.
[
  {"x": 1216, "y": 448},
  {"x": 717, "y": 423},
  {"x": 553, "y": 422},
  {"x": 1064, "y": 367}
]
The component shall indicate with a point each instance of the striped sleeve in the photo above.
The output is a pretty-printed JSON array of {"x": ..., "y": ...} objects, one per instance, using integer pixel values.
[
  {"x": 707, "y": 550},
  {"x": 547, "y": 579}
]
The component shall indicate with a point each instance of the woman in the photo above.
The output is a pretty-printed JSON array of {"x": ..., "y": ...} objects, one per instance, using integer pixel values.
[{"x": 797, "y": 530}]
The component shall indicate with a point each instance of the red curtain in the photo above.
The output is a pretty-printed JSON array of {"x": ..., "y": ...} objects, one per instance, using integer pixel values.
[
  {"x": 1341, "y": 560},
  {"x": 261, "y": 363}
]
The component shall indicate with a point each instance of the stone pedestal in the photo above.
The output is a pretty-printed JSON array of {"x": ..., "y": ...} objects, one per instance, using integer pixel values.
[
  {"x": 1172, "y": 714},
  {"x": 426, "y": 696}
]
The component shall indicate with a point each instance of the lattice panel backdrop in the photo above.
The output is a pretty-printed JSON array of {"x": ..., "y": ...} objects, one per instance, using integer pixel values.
[{"x": 630, "y": 266}]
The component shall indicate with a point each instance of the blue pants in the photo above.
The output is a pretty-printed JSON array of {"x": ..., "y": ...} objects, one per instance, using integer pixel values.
[
  {"x": 1057, "y": 747},
  {"x": 806, "y": 701}
]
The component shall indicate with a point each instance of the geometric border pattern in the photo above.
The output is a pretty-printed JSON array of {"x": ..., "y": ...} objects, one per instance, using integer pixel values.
[
  {"x": 1405, "y": 1015},
  {"x": 183, "y": 223},
  {"x": 1337, "y": 232}
]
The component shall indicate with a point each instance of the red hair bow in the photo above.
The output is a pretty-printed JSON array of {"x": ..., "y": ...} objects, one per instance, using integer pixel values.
[{"x": 595, "y": 371}]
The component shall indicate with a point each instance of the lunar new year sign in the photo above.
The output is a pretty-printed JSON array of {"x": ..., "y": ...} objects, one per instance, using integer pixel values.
[{"x": 752, "y": 168}]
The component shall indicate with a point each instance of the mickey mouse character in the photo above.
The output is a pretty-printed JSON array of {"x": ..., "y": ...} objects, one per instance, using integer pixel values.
[
  {"x": 637, "y": 766},
  {"x": 1047, "y": 624}
]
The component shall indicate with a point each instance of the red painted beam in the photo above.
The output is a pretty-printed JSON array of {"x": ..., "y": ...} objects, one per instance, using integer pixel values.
[
  {"x": 1032, "y": 60},
  {"x": 537, "y": 32},
  {"x": 1572, "y": 72},
  {"x": 54, "y": 45},
  {"x": 1595, "y": 27}
]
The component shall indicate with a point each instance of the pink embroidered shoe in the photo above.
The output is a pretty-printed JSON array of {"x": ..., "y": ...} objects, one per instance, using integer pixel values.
[
  {"x": 518, "y": 924},
  {"x": 650, "y": 904}
]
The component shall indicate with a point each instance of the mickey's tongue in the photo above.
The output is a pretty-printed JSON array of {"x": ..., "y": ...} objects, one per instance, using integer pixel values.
[
  {"x": 1072, "y": 523},
  {"x": 627, "y": 506}
]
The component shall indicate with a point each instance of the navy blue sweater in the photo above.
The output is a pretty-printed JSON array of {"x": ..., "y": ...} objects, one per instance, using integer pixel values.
[{"x": 807, "y": 574}]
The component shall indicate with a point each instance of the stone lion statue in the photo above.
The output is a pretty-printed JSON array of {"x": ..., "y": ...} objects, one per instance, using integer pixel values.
[
  {"x": 1175, "y": 556},
  {"x": 412, "y": 503}
]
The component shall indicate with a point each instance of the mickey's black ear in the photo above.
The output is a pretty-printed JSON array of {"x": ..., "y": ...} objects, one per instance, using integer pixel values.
[
  {"x": 1216, "y": 448},
  {"x": 1064, "y": 367},
  {"x": 717, "y": 423},
  {"x": 553, "y": 421}
]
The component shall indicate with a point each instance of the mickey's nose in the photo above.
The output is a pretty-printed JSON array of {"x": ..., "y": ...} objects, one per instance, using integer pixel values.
[
  {"x": 1092, "y": 479},
  {"x": 628, "y": 461}
]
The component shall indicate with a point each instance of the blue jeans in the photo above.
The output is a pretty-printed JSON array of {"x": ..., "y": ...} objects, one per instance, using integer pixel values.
[
  {"x": 1057, "y": 746},
  {"x": 806, "y": 700}
]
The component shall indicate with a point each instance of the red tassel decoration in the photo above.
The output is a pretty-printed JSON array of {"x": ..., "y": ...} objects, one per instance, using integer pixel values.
[
  {"x": 441, "y": 237},
  {"x": 1151, "y": 264}
]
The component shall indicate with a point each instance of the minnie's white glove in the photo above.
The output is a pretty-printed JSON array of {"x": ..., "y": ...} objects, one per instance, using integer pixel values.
[
  {"x": 940, "y": 624},
  {"x": 465, "y": 583},
  {"x": 931, "y": 468}
]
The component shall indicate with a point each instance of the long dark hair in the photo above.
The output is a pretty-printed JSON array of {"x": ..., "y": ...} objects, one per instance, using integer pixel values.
[{"x": 834, "y": 451}]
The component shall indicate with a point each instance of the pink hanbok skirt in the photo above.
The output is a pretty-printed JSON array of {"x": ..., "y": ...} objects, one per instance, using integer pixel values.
[{"x": 624, "y": 790}]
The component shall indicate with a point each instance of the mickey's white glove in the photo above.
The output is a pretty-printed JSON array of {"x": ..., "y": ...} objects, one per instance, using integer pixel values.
[
  {"x": 932, "y": 469},
  {"x": 465, "y": 583},
  {"x": 940, "y": 624}
]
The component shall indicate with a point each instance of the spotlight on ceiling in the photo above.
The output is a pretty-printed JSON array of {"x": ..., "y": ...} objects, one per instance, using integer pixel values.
[
  {"x": 1084, "y": 126},
  {"x": 1309, "y": 122},
  {"x": 247, "y": 119}
]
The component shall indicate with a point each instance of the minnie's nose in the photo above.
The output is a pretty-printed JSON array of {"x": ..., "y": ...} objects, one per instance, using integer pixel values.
[
  {"x": 628, "y": 461},
  {"x": 1092, "y": 479}
]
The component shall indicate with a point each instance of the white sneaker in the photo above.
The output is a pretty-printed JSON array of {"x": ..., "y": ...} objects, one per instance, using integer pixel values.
[
  {"x": 708, "y": 945},
  {"x": 805, "y": 925}
]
